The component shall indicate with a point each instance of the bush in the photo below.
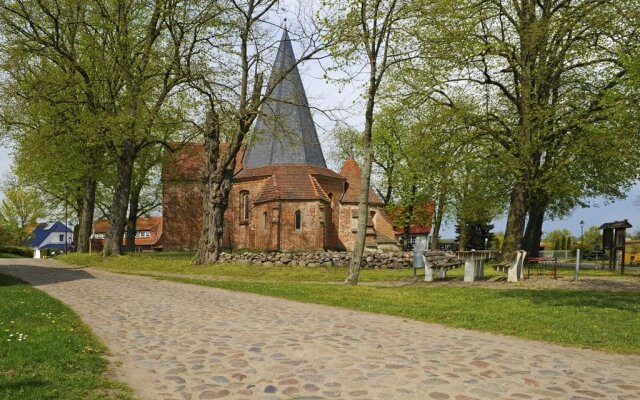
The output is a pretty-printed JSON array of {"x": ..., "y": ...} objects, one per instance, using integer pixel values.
[{"x": 19, "y": 251}]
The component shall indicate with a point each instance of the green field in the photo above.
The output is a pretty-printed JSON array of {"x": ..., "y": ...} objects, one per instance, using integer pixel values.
[
  {"x": 46, "y": 352},
  {"x": 600, "y": 320}
]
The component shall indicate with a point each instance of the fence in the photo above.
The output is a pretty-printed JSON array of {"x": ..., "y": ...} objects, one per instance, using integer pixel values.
[{"x": 559, "y": 254}]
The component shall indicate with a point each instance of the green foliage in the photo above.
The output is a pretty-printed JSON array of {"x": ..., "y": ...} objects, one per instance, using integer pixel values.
[
  {"x": 19, "y": 209},
  {"x": 17, "y": 251},
  {"x": 592, "y": 239},
  {"x": 559, "y": 238},
  {"x": 47, "y": 352}
]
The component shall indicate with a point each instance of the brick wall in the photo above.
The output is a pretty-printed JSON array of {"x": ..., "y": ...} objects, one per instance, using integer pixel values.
[{"x": 182, "y": 215}]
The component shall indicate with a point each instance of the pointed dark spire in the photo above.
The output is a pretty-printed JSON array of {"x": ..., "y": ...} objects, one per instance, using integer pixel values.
[{"x": 285, "y": 132}]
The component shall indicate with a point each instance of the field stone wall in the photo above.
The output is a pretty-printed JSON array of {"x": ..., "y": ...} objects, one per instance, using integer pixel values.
[{"x": 396, "y": 260}]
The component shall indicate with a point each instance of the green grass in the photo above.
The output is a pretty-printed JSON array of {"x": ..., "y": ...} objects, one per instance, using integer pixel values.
[
  {"x": 57, "y": 358},
  {"x": 180, "y": 263},
  {"x": 600, "y": 320}
]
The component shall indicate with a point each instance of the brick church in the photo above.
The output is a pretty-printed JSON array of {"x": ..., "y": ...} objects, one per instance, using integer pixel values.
[{"x": 284, "y": 198}]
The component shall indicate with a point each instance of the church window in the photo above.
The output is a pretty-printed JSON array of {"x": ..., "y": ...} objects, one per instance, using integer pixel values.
[
  {"x": 244, "y": 206},
  {"x": 265, "y": 216},
  {"x": 298, "y": 220}
]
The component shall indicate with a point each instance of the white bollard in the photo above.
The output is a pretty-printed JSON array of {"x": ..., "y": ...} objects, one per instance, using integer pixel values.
[{"x": 578, "y": 261}]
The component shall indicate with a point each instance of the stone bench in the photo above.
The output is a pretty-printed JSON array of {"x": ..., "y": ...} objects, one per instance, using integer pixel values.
[
  {"x": 515, "y": 269},
  {"x": 440, "y": 266},
  {"x": 435, "y": 261}
]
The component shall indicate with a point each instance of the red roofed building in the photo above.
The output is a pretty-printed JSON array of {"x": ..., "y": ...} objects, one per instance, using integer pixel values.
[
  {"x": 148, "y": 232},
  {"x": 284, "y": 198}
]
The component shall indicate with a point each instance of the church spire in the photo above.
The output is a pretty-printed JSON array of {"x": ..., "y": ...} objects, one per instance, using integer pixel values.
[{"x": 285, "y": 132}]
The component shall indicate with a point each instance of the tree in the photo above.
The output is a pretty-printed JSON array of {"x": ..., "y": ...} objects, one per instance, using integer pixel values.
[
  {"x": 475, "y": 235},
  {"x": 19, "y": 209},
  {"x": 369, "y": 32},
  {"x": 234, "y": 94},
  {"x": 545, "y": 76},
  {"x": 591, "y": 239},
  {"x": 123, "y": 61},
  {"x": 559, "y": 238}
]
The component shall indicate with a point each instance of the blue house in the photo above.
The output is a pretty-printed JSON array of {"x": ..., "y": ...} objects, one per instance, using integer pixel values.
[{"x": 50, "y": 236}]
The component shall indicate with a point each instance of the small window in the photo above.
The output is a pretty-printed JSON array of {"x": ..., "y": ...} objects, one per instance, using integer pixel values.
[
  {"x": 244, "y": 206},
  {"x": 62, "y": 238},
  {"x": 265, "y": 217},
  {"x": 298, "y": 219}
]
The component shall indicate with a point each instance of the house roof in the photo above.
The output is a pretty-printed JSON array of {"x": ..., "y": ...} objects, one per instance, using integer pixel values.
[
  {"x": 41, "y": 232},
  {"x": 285, "y": 132},
  {"x": 616, "y": 225},
  {"x": 186, "y": 162},
  {"x": 414, "y": 230},
  {"x": 352, "y": 172},
  {"x": 289, "y": 182},
  {"x": 152, "y": 224}
]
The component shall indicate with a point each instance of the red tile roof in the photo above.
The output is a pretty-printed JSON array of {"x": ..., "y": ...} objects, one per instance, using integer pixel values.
[
  {"x": 289, "y": 182},
  {"x": 414, "y": 230},
  {"x": 286, "y": 169},
  {"x": 152, "y": 224},
  {"x": 352, "y": 172}
]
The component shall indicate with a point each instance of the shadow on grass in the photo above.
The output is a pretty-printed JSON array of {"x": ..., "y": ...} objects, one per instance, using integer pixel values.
[
  {"x": 625, "y": 301},
  {"x": 20, "y": 386},
  {"x": 18, "y": 273}
]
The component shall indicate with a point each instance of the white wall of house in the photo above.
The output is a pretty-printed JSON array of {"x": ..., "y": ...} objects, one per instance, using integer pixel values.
[{"x": 53, "y": 238}]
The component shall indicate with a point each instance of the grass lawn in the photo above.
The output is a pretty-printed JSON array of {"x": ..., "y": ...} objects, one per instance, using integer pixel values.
[
  {"x": 598, "y": 320},
  {"x": 180, "y": 263},
  {"x": 46, "y": 352}
]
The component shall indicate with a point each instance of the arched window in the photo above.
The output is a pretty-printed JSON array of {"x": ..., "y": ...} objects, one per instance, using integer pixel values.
[
  {"x": 265, "y": 217},
  {"x": 244, "y": 206},
  {"x": 331, "y": 200},
  {"x": 298, "y": 220}
]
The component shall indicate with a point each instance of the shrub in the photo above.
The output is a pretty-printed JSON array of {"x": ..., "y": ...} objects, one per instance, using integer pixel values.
[{"x": 19, "y": 251}]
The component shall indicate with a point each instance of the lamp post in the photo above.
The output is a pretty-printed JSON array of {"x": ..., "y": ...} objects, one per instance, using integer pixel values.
[
  {"x": 486, "y": 241},
  {"x": 581, "y": 235}
]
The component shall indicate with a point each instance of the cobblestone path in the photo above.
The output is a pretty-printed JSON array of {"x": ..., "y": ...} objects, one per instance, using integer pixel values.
[{"x": 177, "y": 341}]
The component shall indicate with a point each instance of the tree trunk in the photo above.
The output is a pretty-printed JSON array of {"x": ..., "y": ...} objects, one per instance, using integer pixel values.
[
  {"x": 86, "y": 213},
  {"x": 409, "y": 218},
  {"x": 215, "y": 194},
  {"x": 462, "y": 241},
  {"x": 533, "y": 231},
  {"x": 216, "y": 202},
  {"x": 132, "y": 219},
  {"x": 437, "y": 220},
  {"x": 365, "y": 181},
  {"x": 515, "y": 220},
  {"x": 120, "y": 201}
]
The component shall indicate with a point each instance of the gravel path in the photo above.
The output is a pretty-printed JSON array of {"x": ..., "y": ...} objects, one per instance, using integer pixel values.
[{"x": 177, "y": 341}]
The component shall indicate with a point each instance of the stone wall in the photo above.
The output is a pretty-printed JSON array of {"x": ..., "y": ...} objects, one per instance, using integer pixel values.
[{"x": 320, "y": 259}]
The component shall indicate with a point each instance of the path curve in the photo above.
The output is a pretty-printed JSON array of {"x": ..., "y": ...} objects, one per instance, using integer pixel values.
[{"x": 179, "y": 341}]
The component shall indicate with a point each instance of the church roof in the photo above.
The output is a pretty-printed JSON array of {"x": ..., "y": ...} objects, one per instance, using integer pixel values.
[
  {"x": 285, "y": 132},
  {"x": 289, "y": 182},
  {"x": 352, "y": 172}
]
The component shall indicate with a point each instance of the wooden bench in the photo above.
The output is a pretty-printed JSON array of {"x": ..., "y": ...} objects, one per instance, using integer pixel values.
[{"x": 515, "y": 269}]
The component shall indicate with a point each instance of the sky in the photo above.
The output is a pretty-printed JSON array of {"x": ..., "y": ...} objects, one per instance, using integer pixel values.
[{"x": 331, "y": 102}]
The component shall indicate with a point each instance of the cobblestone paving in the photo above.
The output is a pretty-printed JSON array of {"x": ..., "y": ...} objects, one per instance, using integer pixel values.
[{"x": 177, "y": 341}]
